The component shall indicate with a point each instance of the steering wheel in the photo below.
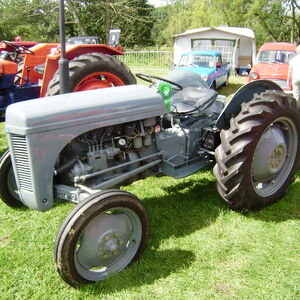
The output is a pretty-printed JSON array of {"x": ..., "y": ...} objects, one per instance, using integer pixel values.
[
  {"x": 18, "y": 48},
  {"x": 148, "y": 78}
]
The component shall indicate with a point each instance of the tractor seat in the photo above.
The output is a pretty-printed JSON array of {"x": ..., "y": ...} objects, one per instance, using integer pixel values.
[{"x": 191, "y": 99}]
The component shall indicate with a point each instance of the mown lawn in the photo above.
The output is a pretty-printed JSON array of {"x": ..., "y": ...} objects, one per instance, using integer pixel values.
[{"x": 197, "y": 249}]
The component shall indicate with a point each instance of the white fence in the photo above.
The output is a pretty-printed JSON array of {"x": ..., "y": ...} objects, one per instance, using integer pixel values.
[{"x": 148, "y": 60}]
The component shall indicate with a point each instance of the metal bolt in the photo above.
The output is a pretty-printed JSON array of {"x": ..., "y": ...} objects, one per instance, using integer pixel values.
[
  {"x": 273, "y": 181},
  {"x": 117, "y": 235},
  {"x": 121, "y": 242},
  {"x": 279, "y": 151},
  {"x": 106, "y": 238},
  {"x": 106, "y": 255}
]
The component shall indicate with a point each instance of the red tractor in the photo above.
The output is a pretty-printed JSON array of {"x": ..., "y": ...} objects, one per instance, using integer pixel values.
[
  {"x": 7, "y": 48},
  {"x": 91, "y": 66}
]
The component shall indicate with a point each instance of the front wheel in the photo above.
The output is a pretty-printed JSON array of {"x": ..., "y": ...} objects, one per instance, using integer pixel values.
[
  {"x": 8, "y": 187},
  {"x": 100, "y": 237},
  {"x": 259, "y": 153}
]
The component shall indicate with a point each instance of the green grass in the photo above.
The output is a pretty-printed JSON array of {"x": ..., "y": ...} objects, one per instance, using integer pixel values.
[{"x": 197, "y": 249}]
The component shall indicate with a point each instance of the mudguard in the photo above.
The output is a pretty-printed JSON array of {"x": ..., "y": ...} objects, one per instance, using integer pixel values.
[
  {"x": 243, "y": 94},
  {"x": 38, "y": 130}
]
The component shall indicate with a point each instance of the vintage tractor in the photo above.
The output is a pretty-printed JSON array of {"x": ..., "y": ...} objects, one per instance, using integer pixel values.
[
  {"x": 91, "y": 66},
  {"x": 85, "y": 145}
]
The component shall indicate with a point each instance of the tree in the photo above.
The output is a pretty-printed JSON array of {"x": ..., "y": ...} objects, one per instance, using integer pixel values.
[
  {"x": 38, "y": 19},
  {"x": 271, "y": 20},
  {"x": 32, "y": 20},
  {"x": 293, "y": 11},
  {"x": 132, "y": 17}
]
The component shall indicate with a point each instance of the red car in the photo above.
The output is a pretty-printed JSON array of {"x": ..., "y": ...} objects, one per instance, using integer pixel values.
[{"x": 272, "y": 63}]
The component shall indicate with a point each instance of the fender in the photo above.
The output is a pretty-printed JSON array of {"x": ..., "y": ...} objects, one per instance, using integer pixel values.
[
  {"x": 243, "y": 94},
  {"x": 38, "y": 130}
]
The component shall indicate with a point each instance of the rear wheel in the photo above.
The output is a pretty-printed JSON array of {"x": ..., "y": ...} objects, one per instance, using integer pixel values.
[
  {"x": 93, "y": 71},
  {"x": 100, "y": 237},
  {"x": 259, "y": 153},
  {"x": 8, "y": 187}
]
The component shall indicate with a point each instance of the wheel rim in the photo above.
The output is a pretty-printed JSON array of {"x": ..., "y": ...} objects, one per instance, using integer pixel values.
[
  {"x": 12, "y": 185},
  {"x": 108, "y": 244},
  {"x": 274, "y": 157},
  {"x": 98, "y": 80}
]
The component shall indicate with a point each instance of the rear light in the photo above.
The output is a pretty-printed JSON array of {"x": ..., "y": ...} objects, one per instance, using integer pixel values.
[{"x": 253, "y": 75}]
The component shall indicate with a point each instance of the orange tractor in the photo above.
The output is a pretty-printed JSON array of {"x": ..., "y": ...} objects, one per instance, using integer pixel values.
[{"x": 91, "y": 66}]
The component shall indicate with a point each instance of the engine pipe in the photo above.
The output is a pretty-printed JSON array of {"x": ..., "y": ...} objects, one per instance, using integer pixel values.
[
  {"x": 63, "y": 63},
  {"x": 111, "y": 182},
  {"x": 85, "y": 177}
]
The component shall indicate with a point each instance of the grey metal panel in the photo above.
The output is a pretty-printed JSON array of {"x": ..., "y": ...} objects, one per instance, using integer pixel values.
[
  {"x": 47, "y": 130},
  {"x": 126, "y": 102}
]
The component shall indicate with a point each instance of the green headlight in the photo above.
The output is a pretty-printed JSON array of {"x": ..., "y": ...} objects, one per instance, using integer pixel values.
[{"x": 166, "y": 89}]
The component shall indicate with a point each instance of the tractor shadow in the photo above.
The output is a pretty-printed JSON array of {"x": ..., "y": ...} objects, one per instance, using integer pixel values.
[
  {"x": 285, "y": 209},
  {"x": 186, "y": 207}
]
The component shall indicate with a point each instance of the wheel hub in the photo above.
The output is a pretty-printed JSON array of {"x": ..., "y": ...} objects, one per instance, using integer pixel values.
[
  {"x": 104, "y": 241},
  {"x": 270, "y": 155},
  {"x": 110, "y": 245}
]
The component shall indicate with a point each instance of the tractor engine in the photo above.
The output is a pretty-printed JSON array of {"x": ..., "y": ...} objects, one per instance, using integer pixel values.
[{"x": 105, "y": 149}]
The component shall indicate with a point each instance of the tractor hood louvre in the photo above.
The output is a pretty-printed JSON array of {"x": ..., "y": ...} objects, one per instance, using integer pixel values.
[{"x": 126, "y": 103}]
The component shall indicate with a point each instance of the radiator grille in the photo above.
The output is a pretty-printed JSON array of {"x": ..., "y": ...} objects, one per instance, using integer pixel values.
[{"x": 21, "y": 156}]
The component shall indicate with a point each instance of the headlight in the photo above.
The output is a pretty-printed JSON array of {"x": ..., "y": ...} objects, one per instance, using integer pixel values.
[
  {"x": 204, "y": 77},
  {"x": 254, "y": 76}
]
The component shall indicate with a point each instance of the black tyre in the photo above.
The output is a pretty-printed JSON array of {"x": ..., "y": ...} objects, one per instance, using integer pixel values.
[
  {"x": 259, "y": 153},
  {"x": 8, "y": 186},
  {"x": 93, "y": 71},
  {"x": 103, "y": 235}
]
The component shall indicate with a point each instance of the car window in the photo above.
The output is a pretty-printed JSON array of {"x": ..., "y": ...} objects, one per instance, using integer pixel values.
[
  {"x": 199, "y": 60},
  {"x": 275, "y": 56}
]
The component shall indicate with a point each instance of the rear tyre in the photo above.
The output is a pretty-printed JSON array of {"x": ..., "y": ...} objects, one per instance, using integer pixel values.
[
  {"x": 93, "y": 71},
  {"x": 259, "y": 153},
  {"x": 103, "y": 235},
  {"x": 8, "y": 187}
]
